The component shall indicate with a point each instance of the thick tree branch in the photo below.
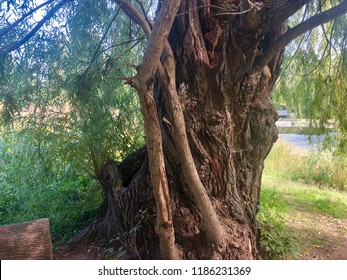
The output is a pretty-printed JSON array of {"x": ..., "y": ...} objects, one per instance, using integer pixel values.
[
  {"x": 278, "y": 11},
  {"x": 144, "y": 83},
  {"x": 135, "y": 15},
  {"x": 145, "y": 78},
  {"x": 158, "y": 46},
  {"x": 298, "y": 30},
  {"x": 167, "y": 74}
]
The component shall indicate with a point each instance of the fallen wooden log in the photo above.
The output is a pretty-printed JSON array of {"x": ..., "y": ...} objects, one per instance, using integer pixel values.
[{"x": 26, "y": 241}]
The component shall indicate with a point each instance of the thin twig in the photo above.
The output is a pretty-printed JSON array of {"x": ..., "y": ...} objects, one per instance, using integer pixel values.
[
  {"x": 144, "y": 12},
  {"x": 99, "y": 45},
  {"x": 235, "y": 13},
  {"x": 123, "y": 43},
  {"x": 129, "y": 49}
]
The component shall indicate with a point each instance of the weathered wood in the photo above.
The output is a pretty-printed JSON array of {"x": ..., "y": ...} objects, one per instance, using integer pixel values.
[{"x": 26, "y": 241}]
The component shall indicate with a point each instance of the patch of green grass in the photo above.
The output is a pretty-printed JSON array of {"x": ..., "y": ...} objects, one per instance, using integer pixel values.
[
  {"x": 284, "y": 200},
  {"x": 297, "y": 196},
  {"x": 296, "y": 185}
]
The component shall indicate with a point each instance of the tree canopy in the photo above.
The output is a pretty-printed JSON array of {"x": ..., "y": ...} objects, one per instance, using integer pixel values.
[
  {"x": 56, "y": 54},
  {"x": 313, "y": 80}
]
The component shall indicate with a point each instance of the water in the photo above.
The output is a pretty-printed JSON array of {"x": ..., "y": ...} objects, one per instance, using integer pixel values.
[{"x": 303, "y": 141}]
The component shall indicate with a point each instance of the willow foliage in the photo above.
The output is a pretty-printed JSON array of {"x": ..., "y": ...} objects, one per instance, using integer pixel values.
[
  {"x": 314, "y": 77},
  {"x": 62, "y": 86}
]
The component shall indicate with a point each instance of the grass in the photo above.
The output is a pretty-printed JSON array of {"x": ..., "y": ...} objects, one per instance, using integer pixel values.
[
  {"x": 291, "y": 196},
  {"x": 314, "y": 167},
  {"x": 299, "y": 185}
]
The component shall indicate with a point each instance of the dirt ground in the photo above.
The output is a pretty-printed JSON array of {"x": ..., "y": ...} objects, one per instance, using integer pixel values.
[
  {"x": 86, "y": 252},
  {"x": 322, "y": 237}
]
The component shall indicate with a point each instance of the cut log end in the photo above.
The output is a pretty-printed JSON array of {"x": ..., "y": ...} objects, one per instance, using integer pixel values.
[{"x": 26, "y": 241}]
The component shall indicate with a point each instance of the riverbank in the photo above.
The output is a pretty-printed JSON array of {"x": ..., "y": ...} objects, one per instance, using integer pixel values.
[
  {"x": 313, "y": 220},
  {"x": 301, "y": 126},
  {"x": 313, "y": 166},
  {"x": 303, "y": 204}
]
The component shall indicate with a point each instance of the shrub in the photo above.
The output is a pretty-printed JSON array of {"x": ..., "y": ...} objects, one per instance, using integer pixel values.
[
  {"x": 34, "y": 185},
  {"x": 275, "y": 241}
]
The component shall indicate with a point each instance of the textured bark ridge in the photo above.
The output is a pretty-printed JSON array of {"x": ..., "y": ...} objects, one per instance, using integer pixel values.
[
  {"x": 212, "y": 88},
  {"x": 26, "y": 241}
]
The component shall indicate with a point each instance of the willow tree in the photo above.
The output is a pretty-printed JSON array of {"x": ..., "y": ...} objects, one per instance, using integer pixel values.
[{"x": 204, "y": 86}]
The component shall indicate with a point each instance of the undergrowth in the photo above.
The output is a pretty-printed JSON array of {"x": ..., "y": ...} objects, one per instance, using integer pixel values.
[
  {"x": 275, "y": 242},
  {"x": 312, "y": 166},
  {"x": 298, "y": 181},
  {"x": 35, "y": 184}
]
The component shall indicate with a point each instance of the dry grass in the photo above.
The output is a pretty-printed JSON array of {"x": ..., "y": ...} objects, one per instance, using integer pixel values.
[{"x": 314, "y": 167}]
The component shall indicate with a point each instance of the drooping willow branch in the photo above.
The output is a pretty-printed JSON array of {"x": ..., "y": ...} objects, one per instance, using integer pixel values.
[
  {"x": 38, "y": 26},
  {"x": 298, "y": 30},
  {"x": 6, "y": 30},
  {"x": 100, "y": 43}
]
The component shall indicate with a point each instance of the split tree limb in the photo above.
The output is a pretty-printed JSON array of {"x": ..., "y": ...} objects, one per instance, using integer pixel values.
[
  {"x": 144, "y": 83},
  {"x": 166, "y": 73}
]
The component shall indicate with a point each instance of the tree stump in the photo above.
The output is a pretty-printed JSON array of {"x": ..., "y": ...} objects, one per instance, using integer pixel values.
[{"x": 26, "y": 241}]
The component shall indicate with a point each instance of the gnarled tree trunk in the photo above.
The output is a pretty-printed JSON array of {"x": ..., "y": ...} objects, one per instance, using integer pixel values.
[
  {"x": 230, "y": 125},
  {"x": 227, "y": 58}
]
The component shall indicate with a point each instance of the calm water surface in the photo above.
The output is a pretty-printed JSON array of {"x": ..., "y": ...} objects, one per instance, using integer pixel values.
[{"x": 303, "y": 141}]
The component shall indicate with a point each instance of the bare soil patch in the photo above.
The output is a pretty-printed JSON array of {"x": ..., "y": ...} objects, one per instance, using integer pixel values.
[{"x": 321, "y": 237}]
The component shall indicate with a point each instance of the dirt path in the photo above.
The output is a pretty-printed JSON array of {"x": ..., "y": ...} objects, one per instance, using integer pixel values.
[{"x": 321, "y": 237}]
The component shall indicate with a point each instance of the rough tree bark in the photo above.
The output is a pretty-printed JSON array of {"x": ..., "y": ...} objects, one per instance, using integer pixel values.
[
  {"x": 217, "y": 125},
  {"x": 26, "y": 241}
]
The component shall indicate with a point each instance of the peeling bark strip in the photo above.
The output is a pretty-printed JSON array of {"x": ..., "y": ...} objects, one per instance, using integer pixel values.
[{"x": 26, "y": 241}]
